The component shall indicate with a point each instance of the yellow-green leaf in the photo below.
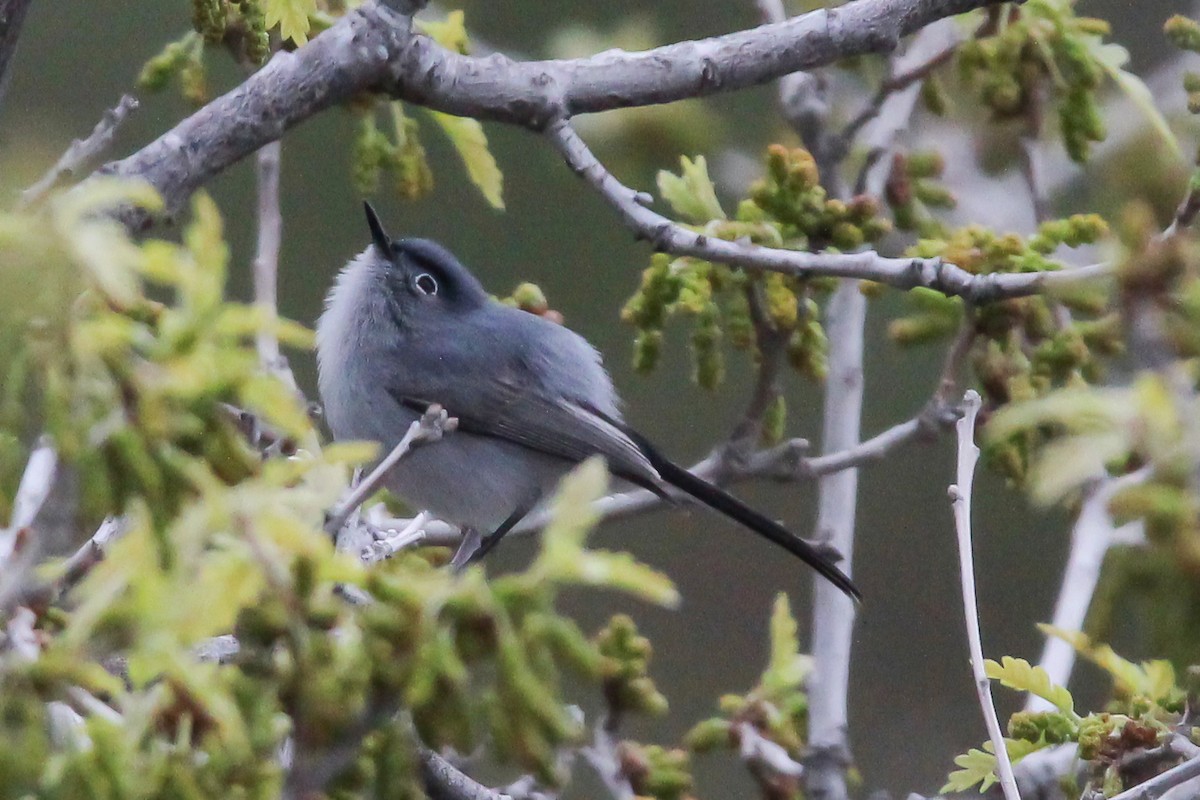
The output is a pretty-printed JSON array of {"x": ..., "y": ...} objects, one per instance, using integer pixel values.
[
  {"x": 1128, "y": 677},
  {"x": 691, "y": 193},
  {"x": 291, "y": 16},
  {"x": 787, "y": 667},
  {"x": 470, "y": 141},
  {"x": 1019, "y": 674}
]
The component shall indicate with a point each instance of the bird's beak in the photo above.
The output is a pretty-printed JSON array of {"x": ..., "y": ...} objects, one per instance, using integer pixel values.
[{"x": 378, "y": 235}]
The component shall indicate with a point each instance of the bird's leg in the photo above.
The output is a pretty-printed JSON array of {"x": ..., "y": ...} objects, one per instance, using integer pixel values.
[
  {"x": 493, "y": 538},
  {"x": 481, "y": 547},
  {"x": 471, "y": 541}
]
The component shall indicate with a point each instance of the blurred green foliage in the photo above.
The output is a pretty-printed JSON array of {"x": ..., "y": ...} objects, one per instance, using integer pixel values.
[{"x": 220, "y": 538}]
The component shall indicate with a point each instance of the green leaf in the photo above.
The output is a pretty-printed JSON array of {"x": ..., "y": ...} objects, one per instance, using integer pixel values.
[
  {"x": 291, "y": 16},
  {"x": 468, "y": 138},
  {"x": 691, "y": 193},
  {"x": 978, "y": 767},
  {"x": 788, "y": 666},
  {"x": 1019, "y": 674},
  {"x": 563, "y": 557},
  {"x": 1128, "y": 677}
]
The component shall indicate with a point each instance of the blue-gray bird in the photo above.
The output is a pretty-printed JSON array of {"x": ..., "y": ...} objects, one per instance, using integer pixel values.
[{"x": 406, "y": 326}]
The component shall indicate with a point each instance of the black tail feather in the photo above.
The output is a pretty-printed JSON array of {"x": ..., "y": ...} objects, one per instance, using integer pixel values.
[
  {"x": 725, "y": 503},
  {"x": 730, "y": 506}
]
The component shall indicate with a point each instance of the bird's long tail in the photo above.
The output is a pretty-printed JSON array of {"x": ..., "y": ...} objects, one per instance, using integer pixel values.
[{"x": 720, "y": 500}]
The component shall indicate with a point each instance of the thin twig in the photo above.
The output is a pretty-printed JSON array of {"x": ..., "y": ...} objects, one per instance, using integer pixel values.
[
  {"x": 898, "y": 105},
  {"x": 605, "y": 759},
  {"x": 410, "y": 535},
  {"x": 429, "y": 428},
  {"x": 444, "y": 781},
  {"x": 76, "y": 567},
  {"x": 771, "y": 345},
  {"x": 960, "y": 497},
  {"x": 83, "y": 155},
  {"x": 1186, "y": 214},
  {"x": 903, "y": 76},
  {"x": 1159, "y": 785},
  {"x": 902, "y": 273}
]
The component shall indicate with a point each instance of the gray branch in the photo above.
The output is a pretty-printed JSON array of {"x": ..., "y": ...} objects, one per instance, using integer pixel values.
[
  {"x": 83, "y": 155},
  {"x": 901, "y": 273},
  {"x": 12, "y": 19},
  {"x": 373, "y": 48}
]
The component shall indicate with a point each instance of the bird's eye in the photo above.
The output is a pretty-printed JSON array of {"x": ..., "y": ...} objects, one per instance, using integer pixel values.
[{"x": 426, "y": 283}]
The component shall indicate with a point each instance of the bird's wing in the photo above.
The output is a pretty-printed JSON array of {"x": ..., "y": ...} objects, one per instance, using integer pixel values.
[{"x": 510, "y": 398}]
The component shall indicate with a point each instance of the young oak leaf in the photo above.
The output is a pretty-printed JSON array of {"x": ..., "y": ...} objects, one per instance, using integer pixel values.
[
  {"x": 979, "y": 766},
  {"x": 1019, "y": 674},
  {"x": 470, "y": 141},
  {"x": 291, "y": 16},
  {"x": 563, "y": 557},
  {"x": 691, "y": 193},
  {"x": 787, "y": 666},
  {"x": 1152, "y": 679}
]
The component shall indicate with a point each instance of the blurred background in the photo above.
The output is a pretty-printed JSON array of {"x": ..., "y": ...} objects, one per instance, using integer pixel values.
[{"x": 912, "y": 703}]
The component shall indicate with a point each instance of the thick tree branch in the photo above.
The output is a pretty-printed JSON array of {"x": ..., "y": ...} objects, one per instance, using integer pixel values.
[
  {"x": 535, "y": 93},
  {"x": 837, "y": 504},
  {"x": 373, "y": 48}
]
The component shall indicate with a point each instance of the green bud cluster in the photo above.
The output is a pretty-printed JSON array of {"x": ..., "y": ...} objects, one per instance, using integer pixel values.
[
  {"x": 256, "y": 41},
  {"x": 401, "y": 154},
  {"x": 654, "y": 771},
  {"x": 624, "y": 669},
  {"x": 787, "y": 208},
  {"x": 1042, "y": 47},
  {"x": 913, "y": 190},
  {"x": 1051, "y": 727},
  {"x": 170, "y": 62},
  {"x": 209, "y": 18},
  {"x": 1025, "y": 347},
  {"x": 777, "y": 707}
]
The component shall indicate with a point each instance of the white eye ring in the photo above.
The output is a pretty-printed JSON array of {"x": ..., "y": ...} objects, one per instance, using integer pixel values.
[{"x": 426, "y": 283}]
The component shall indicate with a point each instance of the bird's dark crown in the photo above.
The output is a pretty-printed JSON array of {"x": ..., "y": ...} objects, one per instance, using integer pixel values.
[{"x": 409, "y": 260}]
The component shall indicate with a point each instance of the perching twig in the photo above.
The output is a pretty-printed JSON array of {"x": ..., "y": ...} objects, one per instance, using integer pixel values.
[
  {"x": 960, "y": 497},
  {"x": 83, "y": 155},
  {"x": 785, "y": 461},
  {"x": 429, "y": 428},
  {"x": 411, "y": 534},
  {"x": 444, "y": 781}
]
